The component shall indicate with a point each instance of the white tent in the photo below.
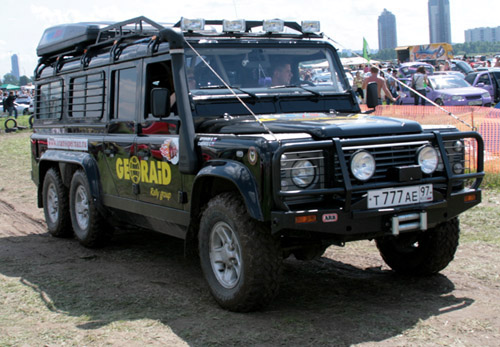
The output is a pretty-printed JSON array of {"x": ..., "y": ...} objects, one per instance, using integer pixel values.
[{"x": 356, "y": 61}]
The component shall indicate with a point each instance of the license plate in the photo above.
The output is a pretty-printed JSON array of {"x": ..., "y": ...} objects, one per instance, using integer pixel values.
[
  {"x": 475, "y": 103},
  {"x": 399, "y": 196}
]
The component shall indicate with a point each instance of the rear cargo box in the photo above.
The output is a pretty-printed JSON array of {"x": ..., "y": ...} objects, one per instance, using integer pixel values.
[{"x": 67, "y": 37}]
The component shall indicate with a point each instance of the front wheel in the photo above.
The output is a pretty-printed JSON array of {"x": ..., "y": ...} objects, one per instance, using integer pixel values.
[
  {"x": 88, "y": 224},
  {"x": 423, "y": 253},
  {"x": 239, "y": 257},
  {"x": 439, "y": 102}
]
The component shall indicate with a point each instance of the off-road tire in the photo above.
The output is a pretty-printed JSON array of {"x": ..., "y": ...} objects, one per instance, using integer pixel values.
[
  {"x": 56, "y": 205},
  {"x": 257, "y": 256},
  {"x": 89, "y": 226},
  {"x": 424, "y": 253}
]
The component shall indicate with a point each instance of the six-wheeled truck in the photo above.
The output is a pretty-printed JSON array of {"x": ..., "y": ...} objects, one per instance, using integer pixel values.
[{"x": 246, "y": 142}]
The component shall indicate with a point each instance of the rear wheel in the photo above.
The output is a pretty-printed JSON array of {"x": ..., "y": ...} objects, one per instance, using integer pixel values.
[
  {"x": 56, "y": 205},
  {"x": 439, "y": 102},
  {"x": 88, "y": 224},
  {"x": 240, "y": 259},
  {"x": 424, "y": 253}
]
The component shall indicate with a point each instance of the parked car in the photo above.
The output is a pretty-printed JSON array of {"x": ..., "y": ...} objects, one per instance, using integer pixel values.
[
  {"x": 450, "y": 90},
  {"x": 22, "y": 109},
  {"x": 461, "y": 66},
  {"x": 24, "y": 99},
  {"x": 487, "y": 79},
  {"x": 454, "y": 73},
  {"x": 406, "y": 70}
]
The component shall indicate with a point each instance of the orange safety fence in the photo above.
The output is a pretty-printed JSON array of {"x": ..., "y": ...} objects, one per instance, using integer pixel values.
[{"x": 484, "y": 120}]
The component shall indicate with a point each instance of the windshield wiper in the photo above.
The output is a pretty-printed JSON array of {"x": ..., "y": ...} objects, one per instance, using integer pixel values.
[
  {"x": 221, "y": 86},
  {"x": 297, "y": 86}
]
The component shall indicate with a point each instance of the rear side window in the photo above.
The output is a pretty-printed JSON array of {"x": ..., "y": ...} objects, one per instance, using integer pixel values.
[
  {"x": 86, "y": 96},
  {"x": 49, "y": 100}
]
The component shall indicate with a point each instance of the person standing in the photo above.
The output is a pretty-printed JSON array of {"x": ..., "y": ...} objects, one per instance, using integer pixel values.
[
  {"x": 358, "y": 85},
  {"x": 419, "y": 83},
  {"x": 392, "y": 85},
  {"x": 9, "y": 104},
  {"x": 381, "y": 85},
  {"x": 497, "y": 64}
]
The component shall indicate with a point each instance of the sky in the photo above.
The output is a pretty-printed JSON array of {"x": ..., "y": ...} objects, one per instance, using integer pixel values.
[{"x": 347, "y": 22}]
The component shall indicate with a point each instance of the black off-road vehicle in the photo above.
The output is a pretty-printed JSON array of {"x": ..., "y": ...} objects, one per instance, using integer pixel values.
[{"x": 247, "y": 142}]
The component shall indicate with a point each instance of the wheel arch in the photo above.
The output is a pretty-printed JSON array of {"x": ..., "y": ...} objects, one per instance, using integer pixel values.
[
  {"x": 221, "y": 177},
  {"x": 66, "y": 163}
]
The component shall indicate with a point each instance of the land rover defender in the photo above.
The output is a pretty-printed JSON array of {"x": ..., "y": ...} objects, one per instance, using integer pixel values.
[{"x": 246, "y": 142}]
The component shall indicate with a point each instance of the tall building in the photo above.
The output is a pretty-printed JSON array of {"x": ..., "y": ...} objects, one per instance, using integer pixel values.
[
  {"x": 483, "y": 34},
  {"x": 439, "y": 21},
  {"x": 387, "y": 36},
  {"x": 15, "y": 65}
]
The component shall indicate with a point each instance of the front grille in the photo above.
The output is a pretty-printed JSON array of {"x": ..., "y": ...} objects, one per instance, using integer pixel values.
[
  {"x": 386, "y": 156},
  {"x": 473, "y": 97}
]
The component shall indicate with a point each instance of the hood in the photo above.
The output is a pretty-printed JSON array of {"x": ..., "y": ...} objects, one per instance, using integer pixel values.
[
  {"x": 318, "y": 125},
  {"x": 462, "y": 91}
]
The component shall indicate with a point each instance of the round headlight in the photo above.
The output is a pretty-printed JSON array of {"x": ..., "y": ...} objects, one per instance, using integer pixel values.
[
  {"x": 303, "y": 173},
  {"x": 362, "y": 165},
  {"x": 428, "y": 159}
]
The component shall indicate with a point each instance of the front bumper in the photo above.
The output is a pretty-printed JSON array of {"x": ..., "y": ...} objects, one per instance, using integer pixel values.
[{"x": 358, "y": 224}]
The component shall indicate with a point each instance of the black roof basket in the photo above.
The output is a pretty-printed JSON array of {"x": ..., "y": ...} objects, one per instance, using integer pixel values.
[
  {"x": 133, "y": 28},
  {"x": 75, "y": 40}
]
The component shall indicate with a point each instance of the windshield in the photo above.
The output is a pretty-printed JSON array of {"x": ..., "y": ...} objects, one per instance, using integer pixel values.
[
  {"x": 253, "y": 70},
  {"x": 447, "y": 82}
]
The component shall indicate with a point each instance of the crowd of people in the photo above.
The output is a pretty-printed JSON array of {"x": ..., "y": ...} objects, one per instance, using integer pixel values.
[{"x": 386, "y": 79}]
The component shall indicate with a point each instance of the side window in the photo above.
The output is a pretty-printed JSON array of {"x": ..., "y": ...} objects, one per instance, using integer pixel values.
[
  {"x": 158, "y": 75},
  {"x": 125, "y": 93},
  {"x": 86, "y": 96},
  {"x": 49, "y": 100},
  {"x": 485, "y": 78}
]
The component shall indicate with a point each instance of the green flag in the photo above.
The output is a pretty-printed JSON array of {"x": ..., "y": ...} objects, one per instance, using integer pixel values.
[{"x": 366, "y": 50}]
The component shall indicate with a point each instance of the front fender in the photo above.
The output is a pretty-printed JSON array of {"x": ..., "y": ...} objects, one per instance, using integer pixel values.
[{"x": 237, "y": 174}]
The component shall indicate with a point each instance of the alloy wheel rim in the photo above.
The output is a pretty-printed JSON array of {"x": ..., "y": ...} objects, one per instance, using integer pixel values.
[
  {"x": 82, "y": 207},
  {"x": 225, "y": 255}
]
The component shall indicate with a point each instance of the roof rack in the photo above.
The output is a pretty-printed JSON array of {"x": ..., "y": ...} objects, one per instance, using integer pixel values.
[{"x": 82, "y": 39}]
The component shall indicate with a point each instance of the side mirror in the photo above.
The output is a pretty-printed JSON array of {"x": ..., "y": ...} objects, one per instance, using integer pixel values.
[
  {"x": 160, "y": 102},
  {"x": 480, "y": 85},
  {"x": 372, "y": 95}
]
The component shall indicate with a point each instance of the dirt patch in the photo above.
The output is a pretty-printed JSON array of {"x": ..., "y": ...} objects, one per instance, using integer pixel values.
[{"x": 142, "y": 290}]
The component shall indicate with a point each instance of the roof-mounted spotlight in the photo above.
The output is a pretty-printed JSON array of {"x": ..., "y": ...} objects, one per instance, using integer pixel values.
[
  {"x": 234, "y": 26},
  {"x": 310, "y": 26},
  {"x": 273, "y": 25},
  {"x": 197, "y": 24}
]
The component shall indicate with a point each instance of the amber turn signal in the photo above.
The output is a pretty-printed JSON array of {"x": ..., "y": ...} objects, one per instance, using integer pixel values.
[{"x": 305, "y": 219}]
